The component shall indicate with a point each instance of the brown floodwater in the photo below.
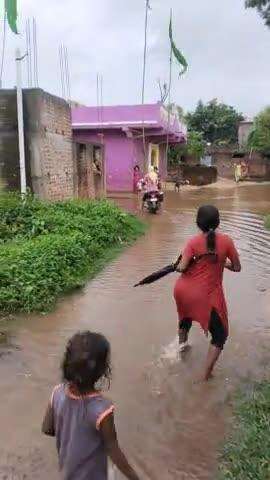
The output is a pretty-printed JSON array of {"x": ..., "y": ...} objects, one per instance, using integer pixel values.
[{"x": 170, "y": 427}]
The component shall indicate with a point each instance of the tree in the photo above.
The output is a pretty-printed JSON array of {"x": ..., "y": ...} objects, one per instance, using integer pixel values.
[
  {"x": 195, "y": 147},
  {"x": 195, "y": 144},
  {"x": 263, "y": 7},
  {"x": 217, "y": 122},
  {"x": 259, "y": 138}
]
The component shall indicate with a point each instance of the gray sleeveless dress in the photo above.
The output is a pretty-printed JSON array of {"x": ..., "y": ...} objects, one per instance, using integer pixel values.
[{"x": 81, "y": 451}]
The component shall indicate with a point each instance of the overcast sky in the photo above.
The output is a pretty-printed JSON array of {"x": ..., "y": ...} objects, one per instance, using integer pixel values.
[{"x": 226, "y": 46}]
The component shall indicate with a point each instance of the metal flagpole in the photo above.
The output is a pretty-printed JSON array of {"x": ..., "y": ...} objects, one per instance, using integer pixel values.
[
  {"x": 169, "y": 99},
  {"x": 18, "y": 59}
]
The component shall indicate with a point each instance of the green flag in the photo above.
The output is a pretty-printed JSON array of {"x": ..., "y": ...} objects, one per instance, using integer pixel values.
[
  {"x": 12, "y": 14},
  {"x": 176, "y": 52}
]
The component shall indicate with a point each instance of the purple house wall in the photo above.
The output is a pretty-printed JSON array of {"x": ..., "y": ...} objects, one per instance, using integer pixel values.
[{"x": 129, "y": 135}]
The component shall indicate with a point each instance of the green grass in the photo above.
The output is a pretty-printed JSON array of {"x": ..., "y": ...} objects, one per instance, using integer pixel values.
[
  {"x": 247, "y": 453},
  {"x": 267, "y": 222},
  {"x": 49, "y": 249}
]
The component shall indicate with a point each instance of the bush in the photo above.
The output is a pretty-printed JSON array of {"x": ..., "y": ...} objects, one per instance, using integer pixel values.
[
  {"x": 49, "y": 249},
  {"x": 246, "y": 454}
]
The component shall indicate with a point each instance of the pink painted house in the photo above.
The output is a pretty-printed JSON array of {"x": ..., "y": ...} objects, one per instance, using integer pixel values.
[{"x": 128, "y": 136}]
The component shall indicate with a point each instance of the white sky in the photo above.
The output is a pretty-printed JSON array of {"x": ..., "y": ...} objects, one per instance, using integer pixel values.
[{"x": 227, "y": 47}]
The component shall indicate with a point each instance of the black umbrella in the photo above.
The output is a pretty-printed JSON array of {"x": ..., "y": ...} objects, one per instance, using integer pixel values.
[
  {"x": 171, "y": 268},
  {"x": 159, "y": 274}
]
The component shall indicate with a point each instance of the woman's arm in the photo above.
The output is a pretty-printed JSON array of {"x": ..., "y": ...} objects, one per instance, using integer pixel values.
[
  {"x": 48, "y": 422},
  {"x": 109, "y": 435},
  {"x": 233, "y": 261},
  {"x": 233, "y": 267},
  {"x": 183, "y": 265}
]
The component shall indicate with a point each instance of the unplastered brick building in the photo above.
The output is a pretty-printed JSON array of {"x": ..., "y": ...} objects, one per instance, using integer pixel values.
[{"x": 57, "y": 167}]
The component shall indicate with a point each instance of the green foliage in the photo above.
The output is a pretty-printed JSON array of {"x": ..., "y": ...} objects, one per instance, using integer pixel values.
[
  {"x": 48, "y": 249},
  {"x": 217, "y": 122},
  {"x": 246, "y": 454},
  {"x": 195, "y": 147},
  {"x": 259, "y": 138},
  {"x": 195, "y": 144},
  {"x": 263, "y": 7}
]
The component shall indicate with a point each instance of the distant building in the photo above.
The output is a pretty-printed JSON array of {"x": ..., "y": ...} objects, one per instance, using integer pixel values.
[
  {"x": 244, "y": 129},
  {"x": 128, "y": 136}
]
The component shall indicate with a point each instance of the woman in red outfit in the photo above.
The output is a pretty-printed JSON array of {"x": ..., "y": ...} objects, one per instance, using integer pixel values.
[{"x": 199, "y": 292}]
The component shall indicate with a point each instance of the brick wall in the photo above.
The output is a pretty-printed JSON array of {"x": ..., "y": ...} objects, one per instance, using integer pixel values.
[
  {"x": 258, "y": 166},
  {"x": 9, "y": 150},
  {"x": 54, "y": 169},
  {"x": 195, "y": 174},
  {"x": 49, "y": 145}
]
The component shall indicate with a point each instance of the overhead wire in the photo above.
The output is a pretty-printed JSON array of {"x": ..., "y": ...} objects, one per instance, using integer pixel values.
[
  {"x": 35, "y": 53},
  {"x": 3, "y": 53}
]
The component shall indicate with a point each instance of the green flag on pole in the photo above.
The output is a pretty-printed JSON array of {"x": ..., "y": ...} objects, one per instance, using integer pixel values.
[
  {"x": 12, "y": 14},
  {"x": 176, "y": 52}
]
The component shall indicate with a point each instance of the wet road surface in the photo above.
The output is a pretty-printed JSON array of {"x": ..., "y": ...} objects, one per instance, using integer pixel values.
[{"x": 169, "y": 427}]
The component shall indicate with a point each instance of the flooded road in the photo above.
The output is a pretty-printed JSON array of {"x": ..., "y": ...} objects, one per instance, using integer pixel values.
[{"x": 170, "y": 428}]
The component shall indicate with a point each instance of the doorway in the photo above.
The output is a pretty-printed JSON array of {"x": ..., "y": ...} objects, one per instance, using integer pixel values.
[{"x": 154, "y": 155}]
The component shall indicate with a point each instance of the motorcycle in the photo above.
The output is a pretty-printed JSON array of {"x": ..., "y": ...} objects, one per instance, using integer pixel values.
[{"x": 153, "y": 202}]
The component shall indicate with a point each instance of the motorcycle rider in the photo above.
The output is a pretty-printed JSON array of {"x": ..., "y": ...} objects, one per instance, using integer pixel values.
[{"x": 150, "y": 185}]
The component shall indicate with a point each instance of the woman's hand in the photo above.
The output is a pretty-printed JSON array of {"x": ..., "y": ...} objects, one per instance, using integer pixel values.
[{"x": 233, "y": 268}]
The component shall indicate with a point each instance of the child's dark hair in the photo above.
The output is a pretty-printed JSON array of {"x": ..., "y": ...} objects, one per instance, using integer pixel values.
[
  {"x": 208, "y": 221},
  {"x": 86, "y": 360},
  {"x": 136, "y": 168}
]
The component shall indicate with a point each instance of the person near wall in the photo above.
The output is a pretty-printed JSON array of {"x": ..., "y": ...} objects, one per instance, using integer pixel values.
[
  {"x": 137, "y": 177},
  {"x": 159, "y": 184},
  {"x": 237, "y": 172},
  {"x": 97, "y": 171},
  {"x": 199, "y": 291}
]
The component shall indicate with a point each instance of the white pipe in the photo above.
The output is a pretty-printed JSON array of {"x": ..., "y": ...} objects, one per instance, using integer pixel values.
[{"x": 18, "y": 59}]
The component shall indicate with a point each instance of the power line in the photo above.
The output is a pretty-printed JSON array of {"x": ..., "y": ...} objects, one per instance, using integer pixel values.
[
  {"x": 62, "y": 72},
  {"x": 27, "y": 49},
  {"x": 35, "y": 48},
  {"x": 3, "y": 49},
  {"x": 67, "y": 72}
]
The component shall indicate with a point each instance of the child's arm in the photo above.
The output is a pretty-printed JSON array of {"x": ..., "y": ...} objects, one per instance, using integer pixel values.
[
  {"x": 108, "y": 432},
  {"x": 48, "y": 422}
]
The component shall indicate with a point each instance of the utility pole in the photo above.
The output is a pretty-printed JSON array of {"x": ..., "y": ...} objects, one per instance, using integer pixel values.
[
  {"x": 18, "y": 59},
  {"x": 147, "y": 8}
]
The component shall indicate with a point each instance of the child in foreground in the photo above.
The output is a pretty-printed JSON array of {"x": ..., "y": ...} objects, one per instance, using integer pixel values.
[{"x": 80, "y": 418}]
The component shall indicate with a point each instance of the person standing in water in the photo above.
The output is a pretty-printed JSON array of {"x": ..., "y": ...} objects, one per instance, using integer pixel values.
[
  {"x": 199, "y": 292},
  {"x": 237, "y": 172},
  {"x": 137, "y": 176},
  {"x": 80, "y": 418}
]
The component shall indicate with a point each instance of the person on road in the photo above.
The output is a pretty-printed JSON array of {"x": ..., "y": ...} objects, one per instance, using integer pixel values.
[
  {"x": 150, "y": 184},
  {"x": 80, "y": 417},
  {"x": 199, "y": 292},
  {"x": 137, "y": 177},
  {"x": 237, "y": 172}
]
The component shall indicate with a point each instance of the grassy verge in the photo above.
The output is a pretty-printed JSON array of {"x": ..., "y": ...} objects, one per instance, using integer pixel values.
[
  {"x": 267, "y": 222},
  {"x": 247, "y": 453},
  {"x": 49, "y": 249}
]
